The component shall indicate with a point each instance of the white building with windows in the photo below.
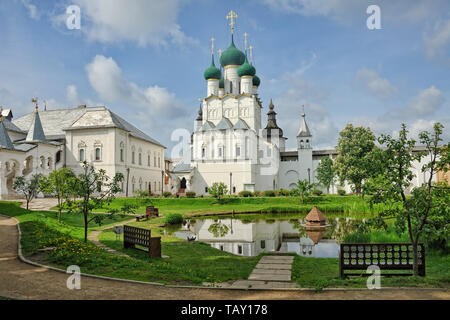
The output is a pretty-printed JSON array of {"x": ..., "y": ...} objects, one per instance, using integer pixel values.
[
  {"x": 42, "y": 141},
  {"x": 230, "y": 143}
]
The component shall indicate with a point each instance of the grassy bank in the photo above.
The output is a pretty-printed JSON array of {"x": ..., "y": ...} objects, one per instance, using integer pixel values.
[
  {"x": 208, "y": 206},
  {"x": 189, "y": 263}
]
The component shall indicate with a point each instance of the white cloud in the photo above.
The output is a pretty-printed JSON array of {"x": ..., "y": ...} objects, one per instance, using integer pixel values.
[
  {"x": 141, "y": 21},
  {"x": 426, "y": 102},
  {"x": 379, "y": 87},
  {"x": 437, "y": 41},
  {"x": 32, "y": 9},
  {"x": 72, "y": 95},
  {"x": 107, "y": 80}
]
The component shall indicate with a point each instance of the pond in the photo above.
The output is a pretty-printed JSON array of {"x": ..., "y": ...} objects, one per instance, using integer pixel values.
[{"x": 252, "y": 237}]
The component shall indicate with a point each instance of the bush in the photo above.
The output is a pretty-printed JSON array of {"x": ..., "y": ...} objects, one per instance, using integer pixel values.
[
  {"x": 257, "y": 193},
  {"x": 245, "y": 194},
  {"x": 317, "y": 192},
  {"x": 341, "y": 192},
  {"x": 283, "y": 192},
  {"x": 269, "y": 193},
  {"x": 141, "y": 193},
  {"x": 190, "y": 194},
  {"x": 166, "y": 194},
  {"x": 173, "y": 218}
]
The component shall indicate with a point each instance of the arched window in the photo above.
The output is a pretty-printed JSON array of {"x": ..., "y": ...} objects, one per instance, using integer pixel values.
[
  {"x": 81, "y": 155},
  {"x": 220, "y": 151},
  {"x": 133, "y": 152},
  {"x": 58, "y": 156},
  {"x": 154, "y": 159},
  {"x": 238, "y": 150},
  {"x": 148, "y": 161},
  {"x": 122, "y": 146},
  {"x": 98, "y": 154},
  {"x": 49, "y": 163},
  {"x": 159, "y": 160},
  {"x": 140, "y": 158},
  {"x": 203, "y": 151}
]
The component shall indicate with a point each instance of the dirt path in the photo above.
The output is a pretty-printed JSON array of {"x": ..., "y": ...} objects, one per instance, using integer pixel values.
[{"x": 24, "y": 281}]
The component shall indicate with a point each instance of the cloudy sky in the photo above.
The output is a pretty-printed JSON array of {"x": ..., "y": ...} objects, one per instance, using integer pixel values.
[{"x": 145, "y": 59}]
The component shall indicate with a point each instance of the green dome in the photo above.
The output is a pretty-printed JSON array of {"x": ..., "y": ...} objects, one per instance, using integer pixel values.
[
  {"x": 222, "y": 83},
  {"x": 212, "y": 72},
  {"x": 246, "y": 69},
  {"x": 232, "y": 56},
  {"x": 256, "y": 81}
]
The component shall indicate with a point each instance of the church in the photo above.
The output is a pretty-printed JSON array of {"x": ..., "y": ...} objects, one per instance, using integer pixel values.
[
  {"x": 232, "y": 144},
  {"x": 42, "y": 141}
]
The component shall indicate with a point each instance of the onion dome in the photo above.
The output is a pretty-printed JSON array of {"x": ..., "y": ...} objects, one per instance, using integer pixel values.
[
  {"x": 222, "y": 83},
  {"x": 212, "y": 72},
  {"x": 232, "y": 56},
  {"x": 256, "y": 81},
  {"x": 246, "y": 69}
]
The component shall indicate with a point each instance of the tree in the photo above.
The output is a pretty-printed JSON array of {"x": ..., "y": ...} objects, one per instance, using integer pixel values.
[
  {"x": 29, "y": 188},
  {"x": 95, "y": 189},
  {"x": 426, "y": 209},
  {"x": 218, "y": 190},
  {"x": 59, "y": 183},
  {"x": 354, "y": 162},
  {"x": 304, "y": 189},
  {"x": 325, "y": 173}
]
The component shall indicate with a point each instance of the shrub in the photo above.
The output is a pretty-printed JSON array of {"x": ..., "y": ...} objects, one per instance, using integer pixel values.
[
  {"x": 317, "y": 192},
  {"x": 341, "y": 192},
  {"x": 173, "y": 218},
  {"x": 141, "y": 193},
  {"x": 283, "y": 192},
  {"x": 269, "y": 193},
  {"x": 245, "y": 194},
  {"x": 166, "y": 194},
  {"x": 257, "y": 193},
  {"x": 190, "y": 194}
]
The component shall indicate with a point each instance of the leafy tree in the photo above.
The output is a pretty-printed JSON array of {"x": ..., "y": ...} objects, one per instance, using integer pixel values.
[
  {"x": 355, "y": 160},
  {"x": 325, "y": 173},
  {"x": 427, "y": 209},
  {"x": 304, "y": 189},
  {"x": 218, "y": 190},
  {"x": 29, "y": 188},
  {"x": 60, "y": 184},
  {"x": 95, "y": 189}
]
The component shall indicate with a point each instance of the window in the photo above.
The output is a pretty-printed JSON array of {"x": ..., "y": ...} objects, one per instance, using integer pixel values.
[
  {"x": 154, "y": 160},
  {"x": 220, "y": 152},
  {"x": 159, "y": 161},
  {"x": 148, "y": 160},
  {"x": 234, "y": 189},
  {"x": 58, "y": 156},
  {"x": 238, "y": 151},
  {"x": 221, "y": 248},
  {"x": 239, "y": 249},
  {"x": 132, "y": 157},
  {"x": 206, "y": 189},
  {"x": 122, "y": 147},
  {"x": 97, "y": 154},
  {"x": 203, "y": 152},
  {"x": 121, "y": 155},
  {"x": 263, "y": 244},
  {"x": 81, "y": 155},
  {"x": 49, "y": 163},
  {"x": 140, "y": 159}
]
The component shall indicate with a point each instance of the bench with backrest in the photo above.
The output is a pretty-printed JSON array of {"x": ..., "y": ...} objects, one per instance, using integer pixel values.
[
  {"x": 133, "y": 236},
  {"x": 386, "y": 256}
]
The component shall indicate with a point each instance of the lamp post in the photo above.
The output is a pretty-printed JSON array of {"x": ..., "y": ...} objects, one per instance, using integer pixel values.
[
  {"x": 309, "y": 175},
  {"x": 231, "y": 177},
  {"x": 128, "y": 177}
]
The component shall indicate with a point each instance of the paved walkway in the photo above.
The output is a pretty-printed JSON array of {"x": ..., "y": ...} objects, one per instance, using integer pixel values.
[
  {"x": 271, "y": 272},
  {"x": 93, "y": 237},
  {"x": 24, "y": 281},
  {"x": 40, "y": 204}
]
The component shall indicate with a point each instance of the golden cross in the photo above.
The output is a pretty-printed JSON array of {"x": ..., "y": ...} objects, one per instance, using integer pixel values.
[
  {"x": 35, "y": 100},
  {"x": 251, "y": 53},
  {"x": 232, "y": 15},
  {"x": 212, "y": 45},
  {"x": 245, "y": 40}
]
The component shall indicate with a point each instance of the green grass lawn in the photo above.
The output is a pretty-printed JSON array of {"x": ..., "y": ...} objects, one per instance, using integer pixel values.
[
  {"x": 207, "y": 206},
  {"x": 188, "y": 263}
]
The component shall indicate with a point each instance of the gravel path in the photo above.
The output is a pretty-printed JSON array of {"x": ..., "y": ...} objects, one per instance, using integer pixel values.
[{"x": 24, "y": 281}]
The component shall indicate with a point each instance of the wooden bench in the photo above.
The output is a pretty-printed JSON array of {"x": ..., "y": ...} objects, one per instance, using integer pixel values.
[
  {"x": 133, "y": 236},
  {"x": 386, "y": 256},
  {"x": 150, "y": 211}
]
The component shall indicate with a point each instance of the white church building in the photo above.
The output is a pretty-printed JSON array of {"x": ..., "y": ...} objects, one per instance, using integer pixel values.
[
  {"x": 231, "y": 143},
  {"x": 42, "y": 141}
]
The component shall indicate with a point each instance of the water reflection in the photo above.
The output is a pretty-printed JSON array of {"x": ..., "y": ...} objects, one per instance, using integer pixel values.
[{"x": 250, "y": 238}]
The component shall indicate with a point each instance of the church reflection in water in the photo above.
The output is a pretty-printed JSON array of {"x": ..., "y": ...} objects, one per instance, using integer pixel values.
[{"x": 250, "y": 238}]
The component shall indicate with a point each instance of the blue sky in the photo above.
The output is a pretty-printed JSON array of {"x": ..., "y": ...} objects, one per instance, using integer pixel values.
[{"x": 145, "y": 60}]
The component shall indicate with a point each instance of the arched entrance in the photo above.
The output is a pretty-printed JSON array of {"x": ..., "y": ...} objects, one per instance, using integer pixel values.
[{"x": 183, "y": 183}]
